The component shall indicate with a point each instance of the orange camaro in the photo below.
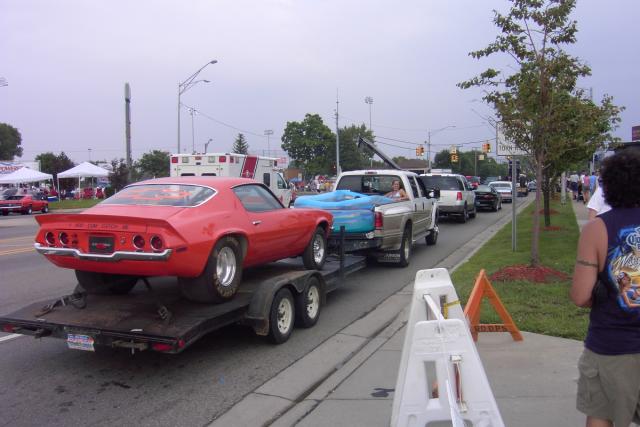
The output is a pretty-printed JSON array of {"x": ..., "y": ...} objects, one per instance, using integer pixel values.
[{"x": 204, "y": 230}]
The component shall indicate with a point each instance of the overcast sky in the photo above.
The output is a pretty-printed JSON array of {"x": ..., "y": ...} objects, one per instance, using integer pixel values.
[{"x": 66, "y": 63}]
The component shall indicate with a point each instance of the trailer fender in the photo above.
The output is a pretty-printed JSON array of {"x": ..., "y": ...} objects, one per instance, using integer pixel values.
[{"x": 296, "y": 281}]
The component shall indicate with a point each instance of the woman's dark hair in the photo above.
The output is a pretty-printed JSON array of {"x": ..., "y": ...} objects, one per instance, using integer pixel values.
[{"x": 621, "y": 179}]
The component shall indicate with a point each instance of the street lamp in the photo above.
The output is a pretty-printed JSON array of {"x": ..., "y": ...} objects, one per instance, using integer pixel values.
[
  {"x": 206, "y": 145},
  {"x": 185, "y": 86},
  {"x": 369, "y": 100},
  {"x": 433, "y": 132},
  {"x": 268, "y": 132}
]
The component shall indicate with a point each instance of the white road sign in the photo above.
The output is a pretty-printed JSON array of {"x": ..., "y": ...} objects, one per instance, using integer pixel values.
[{"x": 506, "y": 148}]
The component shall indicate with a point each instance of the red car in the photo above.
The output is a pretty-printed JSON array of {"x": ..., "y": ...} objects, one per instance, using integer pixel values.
[
  {"x": 24, "y": 203},
  {"x": 204, "y": 230}
]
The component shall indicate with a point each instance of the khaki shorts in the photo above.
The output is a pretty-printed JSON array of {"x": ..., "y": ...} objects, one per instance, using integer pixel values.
[{"x": 609, "y": 387}]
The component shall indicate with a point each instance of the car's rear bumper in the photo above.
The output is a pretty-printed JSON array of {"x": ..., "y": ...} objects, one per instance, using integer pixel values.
[
  {"x": 451, "y": 209},
  {"x": 112, "y": 257},
  {"x": 355, "y": 241}
]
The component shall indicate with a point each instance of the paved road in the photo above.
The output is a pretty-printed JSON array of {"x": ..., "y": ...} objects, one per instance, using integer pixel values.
[{"x": 44, "y": 383}]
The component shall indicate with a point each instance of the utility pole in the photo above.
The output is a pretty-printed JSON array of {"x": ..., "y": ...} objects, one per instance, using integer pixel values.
[
  {"x": 127, "y": 126},
  {"x": 338, "y": 169},
  {"x": 268, "y": 133}
]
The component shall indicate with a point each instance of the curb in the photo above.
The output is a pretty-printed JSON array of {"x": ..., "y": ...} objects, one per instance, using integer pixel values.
[{"x": 292, "y": 394}]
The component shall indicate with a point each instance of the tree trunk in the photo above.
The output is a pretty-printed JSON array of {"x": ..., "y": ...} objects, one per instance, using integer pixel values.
[
  {"x": 547, "y": 196},
  {"x": 535, "y": 234}
]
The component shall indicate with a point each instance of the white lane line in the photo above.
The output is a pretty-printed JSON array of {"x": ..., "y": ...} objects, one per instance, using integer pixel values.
[{"x": 11, "y": 337}]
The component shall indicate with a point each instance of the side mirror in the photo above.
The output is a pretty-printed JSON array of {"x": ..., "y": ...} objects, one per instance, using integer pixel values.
[{"x": 434, "y": 193}]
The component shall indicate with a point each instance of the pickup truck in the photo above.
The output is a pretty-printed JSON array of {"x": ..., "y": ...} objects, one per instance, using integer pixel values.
[{"x": 396, "y": 225}]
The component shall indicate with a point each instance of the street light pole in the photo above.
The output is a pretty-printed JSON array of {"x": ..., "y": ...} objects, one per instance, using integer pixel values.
[
  {"x": 206, "y": 145},
  {"x": 193, "y": 137},
  {"x": 369, "y": 100},
  {"x": 185, "y": 86},
  {"x": 268, "y": 132}
]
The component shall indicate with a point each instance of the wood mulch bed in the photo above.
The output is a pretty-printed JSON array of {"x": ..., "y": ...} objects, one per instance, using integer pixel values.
[{"x": 540, "y": 274}]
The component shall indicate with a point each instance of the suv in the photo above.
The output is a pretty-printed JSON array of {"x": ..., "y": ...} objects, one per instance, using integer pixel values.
[{"x": 456, "y": 194}]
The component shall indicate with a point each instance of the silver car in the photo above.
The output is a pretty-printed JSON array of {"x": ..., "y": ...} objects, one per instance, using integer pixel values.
[
  {"x": 456, "y": 194},
  {"x": 504, "y": 188}
]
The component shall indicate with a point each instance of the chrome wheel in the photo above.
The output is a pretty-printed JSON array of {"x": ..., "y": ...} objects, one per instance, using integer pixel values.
[
  {"x": 407, "y": 248},
  {"x": 313, "y": 302},
  {"x": 318, "y": 249},
  {"x": 226, "y": 266},
  {"x": 285, "y": 315}
]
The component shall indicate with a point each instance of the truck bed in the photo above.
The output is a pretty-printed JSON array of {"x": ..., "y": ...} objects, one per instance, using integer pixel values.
[{"x": 133, "y": 320}]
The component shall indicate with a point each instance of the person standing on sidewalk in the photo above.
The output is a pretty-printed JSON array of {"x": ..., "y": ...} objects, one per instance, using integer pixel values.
[
  {"x": 586, "y": 188},
  {"x": 573, "y": 180},
  {"x": 609, "y": 383}
]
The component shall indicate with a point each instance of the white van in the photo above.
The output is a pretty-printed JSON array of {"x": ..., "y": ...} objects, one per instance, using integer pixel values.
[{"x": 456, "y": 194}]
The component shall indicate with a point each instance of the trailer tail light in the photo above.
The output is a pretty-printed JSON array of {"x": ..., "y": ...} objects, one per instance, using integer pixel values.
[
  {"x": 156, "y": 243},
  {"x": 8, "y": 328},
  {"x": 138, "y": 241},
  {"x": 160, "y": 346},
  {"x": 223, "y": 159},
  {"x": 459, "y": 195},
  {"x": 64, "y": 238},
  {"x": 50, "y": 238},
  {"x": 378, "y": 222},
  {"x": 174, "y": 159}
]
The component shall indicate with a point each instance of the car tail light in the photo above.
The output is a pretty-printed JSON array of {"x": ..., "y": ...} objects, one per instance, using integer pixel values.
[
  {"x": 156, "y": 243},
  {"x": 459, "y": 195},
  {"x": 160, "y": 346},
  {"x": 378, "y": 222},
  {"x": 138, "y": 241},
  {"x": 8, "y": 328},
  {"x": 174, "y": 159},
  {"x": 223, "y": 159},
  {"x": 50, "y": 238},
  {"x": 64, "y": 238}
]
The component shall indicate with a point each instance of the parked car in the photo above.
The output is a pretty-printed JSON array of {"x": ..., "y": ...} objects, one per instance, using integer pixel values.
[
  {"x": 504, "y": 188},
  {"x": 456, "y": 194},
  {"x": 531, "y": 185},
  {"x": 204, "y": 230},
  {"x": 489, "y": 179},
  {"x": 474, "y": 181},
  {"x": 25, "y": 204},
  {"x": 488, "y": 197}
]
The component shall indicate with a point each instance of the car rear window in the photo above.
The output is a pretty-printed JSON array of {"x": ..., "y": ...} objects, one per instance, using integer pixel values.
[
  {"x": 501, "y": 185},
  {"x": 442, "y": 182},
  {"x": 369, "y": 184},
  {"x": 161, "y": 195},
  {"x": 483, "y": 188}
]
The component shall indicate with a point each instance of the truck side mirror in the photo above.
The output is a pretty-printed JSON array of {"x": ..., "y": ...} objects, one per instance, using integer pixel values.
[{"x": 434, "y": 193}]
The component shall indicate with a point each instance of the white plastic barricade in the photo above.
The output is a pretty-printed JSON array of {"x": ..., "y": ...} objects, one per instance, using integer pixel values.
[{"x": 441, "y": 381}]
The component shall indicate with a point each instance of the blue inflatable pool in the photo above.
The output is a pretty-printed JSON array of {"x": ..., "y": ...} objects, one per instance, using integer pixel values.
[{"x": 353, "y": 210}]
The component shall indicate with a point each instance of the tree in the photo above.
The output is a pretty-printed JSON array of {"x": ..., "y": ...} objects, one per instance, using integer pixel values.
[
  {"x": 539, "y": 106},
  {"x": 54, "y": 164},
  {"x": 308, "y": 144},
  {"x": 119, "y": 177},
  {"x": 10, "y": 141},
  {"x": 240, "y": 145},
  {"x": 351, "y": 157},
  {"x": 154, "y": 164}
]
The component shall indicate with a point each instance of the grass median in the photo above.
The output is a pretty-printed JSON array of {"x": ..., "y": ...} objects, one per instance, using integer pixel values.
[
  {"x": 74, "y": 204},
  {"x": 542, "y": 308}
]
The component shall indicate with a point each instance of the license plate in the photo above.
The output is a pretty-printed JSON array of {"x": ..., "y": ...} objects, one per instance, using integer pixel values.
[
  {"x": 100, "y": 244},
  {"x": 80, "y": 342}
]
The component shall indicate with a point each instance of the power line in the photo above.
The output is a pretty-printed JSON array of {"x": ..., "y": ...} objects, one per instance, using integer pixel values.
[{"x": 225, "y": 124}]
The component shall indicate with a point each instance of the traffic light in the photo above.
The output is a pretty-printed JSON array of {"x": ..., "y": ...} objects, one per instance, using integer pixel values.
[
  {"x": 486, "y": 147},
  {"x": 454, "y": 158},
  {"x": 418, "y": 151},
  {"x": 422, "y": 150}
]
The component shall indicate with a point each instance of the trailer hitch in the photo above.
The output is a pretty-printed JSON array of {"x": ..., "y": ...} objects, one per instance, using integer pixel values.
[
  {"x": 76, "y": 299},
  {"x": 163, "y": 311}
]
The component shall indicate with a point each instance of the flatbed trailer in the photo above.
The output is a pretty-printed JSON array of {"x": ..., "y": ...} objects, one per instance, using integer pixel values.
[{"x": 158, "y": 318}]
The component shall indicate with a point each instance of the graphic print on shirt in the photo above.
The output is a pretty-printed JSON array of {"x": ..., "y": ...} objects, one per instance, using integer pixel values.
[{"x": 624, "y": 268}]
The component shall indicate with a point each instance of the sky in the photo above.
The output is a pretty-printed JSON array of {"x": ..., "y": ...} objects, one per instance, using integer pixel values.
[{"x": 65, "y": 64}]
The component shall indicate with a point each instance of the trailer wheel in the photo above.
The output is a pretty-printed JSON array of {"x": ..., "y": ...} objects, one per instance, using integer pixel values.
[
  {"x": 281, "y": 316},
  {"x": 104, "y": 283},
  {"x": 315, "y": 254},
  {"x": 432, "y": 237},
  {"x": 405, "y": 248},
  {"x": 221, "y": 276},
  {"x": 308, "y": 304}
]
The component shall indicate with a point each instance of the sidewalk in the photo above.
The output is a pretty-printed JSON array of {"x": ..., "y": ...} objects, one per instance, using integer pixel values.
[{"x": 533, "y": 381}]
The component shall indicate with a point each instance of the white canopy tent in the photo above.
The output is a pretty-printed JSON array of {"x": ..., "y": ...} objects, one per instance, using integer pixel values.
[
  {"x": 24, "y": 175},
  {"x": 84, "y": 169}
]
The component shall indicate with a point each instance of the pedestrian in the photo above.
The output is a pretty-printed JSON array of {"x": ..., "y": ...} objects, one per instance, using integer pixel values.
[
  {"x": 573, "y": 180},
  {"x": 586, "y": 188},
  {"x": 609, "y": 383}
]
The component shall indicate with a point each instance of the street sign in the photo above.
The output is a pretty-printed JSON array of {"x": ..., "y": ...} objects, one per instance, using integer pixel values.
[
  {"x": 506, "y": 148},
  {"x": 635, "y": 133}
]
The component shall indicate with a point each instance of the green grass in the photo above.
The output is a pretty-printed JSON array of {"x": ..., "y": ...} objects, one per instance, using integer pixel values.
[
  {"x": 542, "y": 308},
  {"x": 73, "y": 204}
]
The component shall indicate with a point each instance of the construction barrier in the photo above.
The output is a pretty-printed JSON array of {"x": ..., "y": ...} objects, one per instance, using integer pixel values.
[{"x": 441, "y": 380}]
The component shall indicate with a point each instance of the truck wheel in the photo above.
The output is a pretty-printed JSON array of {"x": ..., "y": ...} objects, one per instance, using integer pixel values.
[
  {"x": 473, "y": 214},
  {"x": 27, "y": 211},
  {"x": 465, "y": 215},
  {"x": 281, "y": 316},
  {"x": 405, "y": 248},
  {"x": 315, "y": 254},
  {"x": 308, "y": 304},
  {"x": 432, "y": 238},
  {"x": 221, "y": 276},
  {"x": 104, "y": 283}
]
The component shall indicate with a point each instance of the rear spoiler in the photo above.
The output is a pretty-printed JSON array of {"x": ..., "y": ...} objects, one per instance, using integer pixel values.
[{"x": 98, "y": 222}]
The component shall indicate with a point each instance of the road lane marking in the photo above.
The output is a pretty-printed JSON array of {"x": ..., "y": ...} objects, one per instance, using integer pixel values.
[
  {"x": 16, "y": 251},
  {"x": 11, "y": 239},
  {"x": 10, "y": 337}
]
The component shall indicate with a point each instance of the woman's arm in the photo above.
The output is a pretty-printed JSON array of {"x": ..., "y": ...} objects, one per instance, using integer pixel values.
[{"x": 592, "y": 247}]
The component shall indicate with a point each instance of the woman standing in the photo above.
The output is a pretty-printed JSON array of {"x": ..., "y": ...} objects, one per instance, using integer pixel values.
[{"x": 609, "y": 384}]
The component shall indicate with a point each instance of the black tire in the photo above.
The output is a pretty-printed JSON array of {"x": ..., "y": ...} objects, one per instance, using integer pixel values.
[
  {"x": 104, "y": 283},
  {"x": 495, "y": 207},
  {"x": 432, "y": 238},
  {"x": 225, "y": 258},
  {"x": 281, "y": 316},
  {"x": 308, "y": 304},
  {"x": 45, "y": 209},
  {"x": 5, "y": 213},
  {"x": 315, "y": 253},
  {"x": 28, "y": 211},
  {"x": 405, "y": 248},
  {"x": 473, "y": 214},
  {"x": 465, "y": 215},
  {"x": 500, "y": 205}
]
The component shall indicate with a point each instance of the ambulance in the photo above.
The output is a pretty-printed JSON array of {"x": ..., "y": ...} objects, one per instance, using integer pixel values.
[{"x": 262, "y": 169}]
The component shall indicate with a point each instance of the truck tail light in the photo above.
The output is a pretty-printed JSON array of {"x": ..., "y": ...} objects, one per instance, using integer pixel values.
[
  {"x": 138, "y": 241},
  {"x": 160, "y": 346},
  {"x": 378, "y": 222},
  {"x": 156, "y": 243},
  {"x": 223, "y": 159},
  {"x": 459, "y": 195},
  {"x": 50, "y": 238},
  {"x": 174, "y": 159}
]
